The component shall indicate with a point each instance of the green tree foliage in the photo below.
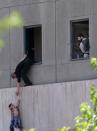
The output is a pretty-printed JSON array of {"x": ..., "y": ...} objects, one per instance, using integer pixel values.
[
  {"x": 94, "y": 63},
  {"x": 13, "y": 21},
  {"x": 88, "y": 120},
  {"x": 63, "y": 129}
]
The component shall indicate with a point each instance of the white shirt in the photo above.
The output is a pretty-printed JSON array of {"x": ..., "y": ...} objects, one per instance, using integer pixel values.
[{"x": 82, "y": 47}]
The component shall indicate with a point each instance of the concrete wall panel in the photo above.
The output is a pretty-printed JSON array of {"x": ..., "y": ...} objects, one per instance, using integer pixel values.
[
  {"x": 75, "y": 71},
  {"x": 42, "y": 74},
  {"x": 10, "y": 3},
  {"x": 46, "y": 107},
  {"x": 55, "y": 19}
]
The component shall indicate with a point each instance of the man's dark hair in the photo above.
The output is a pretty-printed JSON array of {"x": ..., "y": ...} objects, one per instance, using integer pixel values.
[
  {"x": 10, "y": 105},
  {"x": 81, "y": 35}
]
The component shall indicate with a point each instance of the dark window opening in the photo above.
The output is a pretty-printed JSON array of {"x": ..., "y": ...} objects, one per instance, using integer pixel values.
[
  {"x": 80, "y": 48},
  {"x": 33, "y": 39}
]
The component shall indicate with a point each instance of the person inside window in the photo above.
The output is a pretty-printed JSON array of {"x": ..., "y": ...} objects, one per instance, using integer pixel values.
[{"x": 84, "y": 45}]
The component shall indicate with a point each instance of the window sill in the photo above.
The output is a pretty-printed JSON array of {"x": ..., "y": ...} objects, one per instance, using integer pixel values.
[
  {"x": 37, "y": 63},
  {"x": 81, "y": 59}
]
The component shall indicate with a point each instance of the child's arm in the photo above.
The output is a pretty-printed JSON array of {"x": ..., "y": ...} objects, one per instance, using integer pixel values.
[
  {"x": 18, "y": 101},
  {"x": 18, "y": 88},
  {"x": 18, "y": 97}
]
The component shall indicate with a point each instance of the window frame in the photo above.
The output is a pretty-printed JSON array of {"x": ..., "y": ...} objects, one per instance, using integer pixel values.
[
  {"x": 71, "y": 33},
  {"x": 24, "y": 34}
]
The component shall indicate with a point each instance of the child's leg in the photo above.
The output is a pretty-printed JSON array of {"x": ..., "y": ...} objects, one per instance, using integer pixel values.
[
  {"x": 11, "y": 128},
  {"x": 19, "y": 123}
]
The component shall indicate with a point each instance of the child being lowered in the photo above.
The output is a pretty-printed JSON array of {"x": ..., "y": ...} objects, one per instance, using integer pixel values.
[{"x": 15, "y": 124}]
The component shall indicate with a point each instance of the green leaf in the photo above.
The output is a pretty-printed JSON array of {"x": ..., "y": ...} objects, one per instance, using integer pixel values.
[{"x": 1, "y": 43}]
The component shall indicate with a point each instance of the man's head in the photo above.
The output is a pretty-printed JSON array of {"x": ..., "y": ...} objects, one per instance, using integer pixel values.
[
  {"x": 11, "y": 106},
  {"x": 13, "y": 75},
  {"x": 80, "y": 37}
]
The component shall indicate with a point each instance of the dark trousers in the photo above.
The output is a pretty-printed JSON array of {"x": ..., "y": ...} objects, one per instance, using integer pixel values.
[
  {"x": 11, "y": 128},
  {"x": 26, "y": 66},
  {"x": 15, "y": 123}
]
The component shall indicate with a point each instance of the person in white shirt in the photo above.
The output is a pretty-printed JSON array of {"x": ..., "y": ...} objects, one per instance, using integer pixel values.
[{"x": 84, "y": 45}]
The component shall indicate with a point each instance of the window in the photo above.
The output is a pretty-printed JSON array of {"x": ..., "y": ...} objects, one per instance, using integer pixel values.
[
  {"x": 33, "y": 39},
  {"x": 80, "y": 45}
]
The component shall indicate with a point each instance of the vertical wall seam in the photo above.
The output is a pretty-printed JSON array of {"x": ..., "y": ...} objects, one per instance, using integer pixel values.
[
  {"x": 55, "y": 48},
  {"x": 9, "y": 51}
]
